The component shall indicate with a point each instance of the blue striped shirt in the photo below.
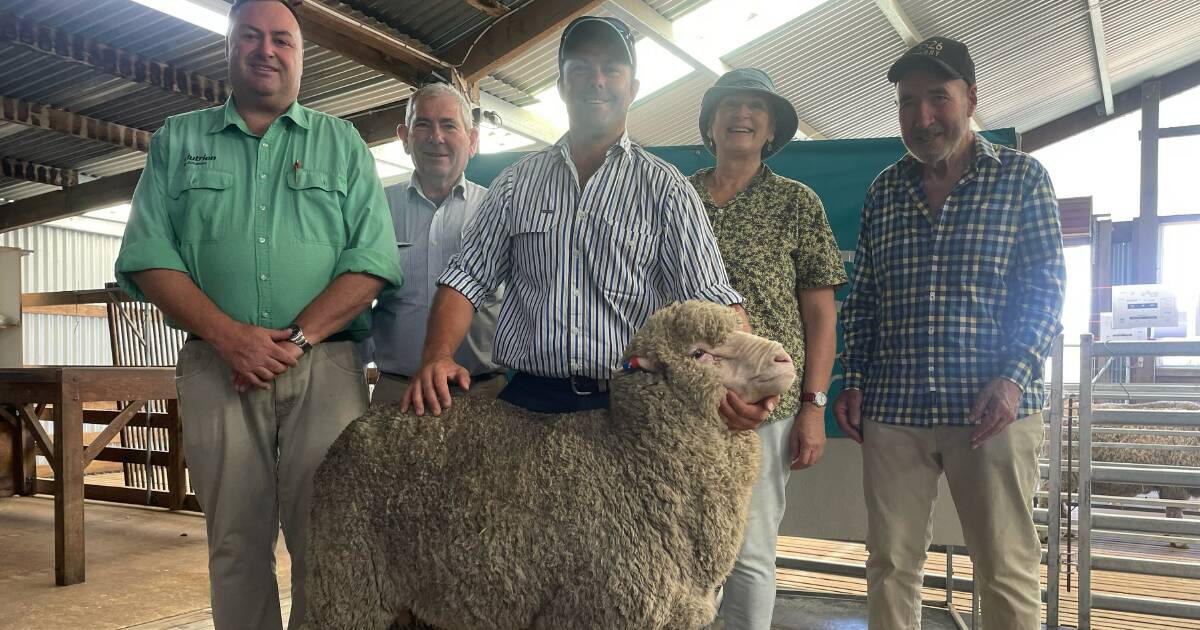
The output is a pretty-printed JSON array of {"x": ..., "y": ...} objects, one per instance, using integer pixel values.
[
  {"x": 583, "y": 269},
  {"x": 939, "y": 307},
  {"x": 428, "y": 234}
]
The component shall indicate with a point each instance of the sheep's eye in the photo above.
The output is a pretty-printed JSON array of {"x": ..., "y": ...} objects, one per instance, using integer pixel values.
[{"x": 697, "y": 353}]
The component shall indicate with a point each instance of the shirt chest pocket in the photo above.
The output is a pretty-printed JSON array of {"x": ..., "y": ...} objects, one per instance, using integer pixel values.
[
  {"x": 202, "y": 201},
  {"x": 317, "y": 206}
]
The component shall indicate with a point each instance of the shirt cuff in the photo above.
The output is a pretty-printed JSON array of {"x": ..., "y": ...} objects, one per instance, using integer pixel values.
[
  {"x": 852, "y": 380},
  {"x": 143, "y": 255},
  {"x": 719, "y": 293},
  {"x": 465, "y": 284},
  {"x": 1019, "y": 372},
  {"x": 370, "y": 261}
]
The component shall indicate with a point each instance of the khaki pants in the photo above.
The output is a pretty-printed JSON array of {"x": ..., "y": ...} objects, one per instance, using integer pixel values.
[
  {"x": 251, "y": 459},
  {"x": 390, "y": 388},
  {"x": 993, "y": 490}
]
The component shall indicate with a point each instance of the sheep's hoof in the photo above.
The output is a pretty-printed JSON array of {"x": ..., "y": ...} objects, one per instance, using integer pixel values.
[{"x": 1180, "y": 545}]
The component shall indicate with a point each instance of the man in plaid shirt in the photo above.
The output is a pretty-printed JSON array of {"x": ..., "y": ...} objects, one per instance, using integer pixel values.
[{"x": 957, "y": 292}]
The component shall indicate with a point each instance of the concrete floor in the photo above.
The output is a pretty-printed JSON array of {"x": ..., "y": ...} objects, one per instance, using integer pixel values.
[
  {"x": 142, "y": 564},
  {"x": 819, "y": 612}
]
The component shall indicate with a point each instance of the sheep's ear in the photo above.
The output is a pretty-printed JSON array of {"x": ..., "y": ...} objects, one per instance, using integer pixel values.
[{"x": 644, "y": 364}]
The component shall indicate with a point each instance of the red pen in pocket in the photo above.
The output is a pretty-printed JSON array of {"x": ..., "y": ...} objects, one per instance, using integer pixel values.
[{"x": 296, "y": 171}]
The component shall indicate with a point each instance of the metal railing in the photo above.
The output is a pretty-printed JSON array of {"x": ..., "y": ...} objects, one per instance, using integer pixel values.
[{"x": 1089, "y": 521}]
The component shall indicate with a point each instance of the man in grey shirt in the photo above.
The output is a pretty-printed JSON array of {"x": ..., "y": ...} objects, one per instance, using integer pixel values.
[{"x": 429, "y": 212}]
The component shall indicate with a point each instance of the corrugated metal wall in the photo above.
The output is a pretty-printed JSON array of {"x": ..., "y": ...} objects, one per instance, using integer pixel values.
[{"x": 64, "y": 260}]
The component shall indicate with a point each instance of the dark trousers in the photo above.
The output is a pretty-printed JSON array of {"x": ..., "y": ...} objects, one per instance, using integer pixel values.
[{"x": 549, "y": 395}]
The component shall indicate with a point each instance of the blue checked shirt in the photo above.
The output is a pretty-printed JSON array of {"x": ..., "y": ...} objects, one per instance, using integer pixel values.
[
  {"x": 583, "y": 269},
  {"x": 939, "y": 308}
]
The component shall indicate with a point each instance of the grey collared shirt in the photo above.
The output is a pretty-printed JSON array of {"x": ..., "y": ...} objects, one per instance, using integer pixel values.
[{"x": 427, "y": 236}]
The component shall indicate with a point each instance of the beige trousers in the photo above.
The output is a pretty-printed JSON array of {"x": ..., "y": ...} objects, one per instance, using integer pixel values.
[
  {"x": 251, "y": 459},
  {"x": 390, "y": 388},
  {"x": 993, "y": 490}
]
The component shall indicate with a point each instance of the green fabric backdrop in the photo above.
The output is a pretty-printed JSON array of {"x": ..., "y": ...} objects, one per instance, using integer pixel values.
[{"x": 840, "y": 171}]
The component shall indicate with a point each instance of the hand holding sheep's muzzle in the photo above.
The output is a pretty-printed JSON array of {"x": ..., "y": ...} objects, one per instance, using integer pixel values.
[{"x": 756, "y": 379}]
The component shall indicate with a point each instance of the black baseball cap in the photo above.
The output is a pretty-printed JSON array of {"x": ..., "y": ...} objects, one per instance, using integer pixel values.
[
  {"x": 616, "y": 31},
  {"x": 948, "y": 55}
]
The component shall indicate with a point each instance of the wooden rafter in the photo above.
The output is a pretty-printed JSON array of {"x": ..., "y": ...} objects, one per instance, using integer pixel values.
[
  {"x": 376, "y": 126},
  {"x": 40, "y": 173},
  {"x": 494, "y": 8},
  {"x": 506, "y": 39},
  {"x": 69, "y": 202},
  {"x": 110, "y": 60},
  {"x": 60, "y": 120},
  {"x": 332, "y": 30},
  {"x": 1130, "y": 100}
]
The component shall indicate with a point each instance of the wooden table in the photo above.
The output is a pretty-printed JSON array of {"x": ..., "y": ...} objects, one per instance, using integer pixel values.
[{"x": 27, "y": 393}]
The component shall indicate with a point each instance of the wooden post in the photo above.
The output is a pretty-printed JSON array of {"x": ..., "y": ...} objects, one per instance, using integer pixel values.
[
  {"x": 176, "y": 465},
  {"x": 8, "y": 456},
  {"x": 1145, "y": 238},
  {"x": 68, "y": 501}
]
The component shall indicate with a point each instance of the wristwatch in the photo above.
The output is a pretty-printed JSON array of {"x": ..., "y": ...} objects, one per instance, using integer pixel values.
[
  {"x": 818, "y": 399},
  {"x": 298, "y": 337}
]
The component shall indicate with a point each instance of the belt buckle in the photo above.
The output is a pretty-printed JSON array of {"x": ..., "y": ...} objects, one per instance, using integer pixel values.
[{"x": 575, "y": 389}]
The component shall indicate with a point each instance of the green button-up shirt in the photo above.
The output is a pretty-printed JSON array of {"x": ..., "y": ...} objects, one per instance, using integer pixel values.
[{"x": 262, "y": 225}]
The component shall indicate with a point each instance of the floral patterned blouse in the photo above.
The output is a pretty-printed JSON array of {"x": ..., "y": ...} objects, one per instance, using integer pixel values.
[{"x": 776, "y": 241}]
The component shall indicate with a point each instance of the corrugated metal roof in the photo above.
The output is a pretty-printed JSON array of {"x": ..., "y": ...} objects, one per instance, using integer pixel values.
[
  {"x": 669, "y": 117},
  {"x": 438, "y": 24},
  {"x": 1148, "y": 38},
  {"x": 833, "y": 75},
  {"x": 672, "y": 9},
  {"x": 1026, "y": 52},
  {"x": 1035, "y": 60}
]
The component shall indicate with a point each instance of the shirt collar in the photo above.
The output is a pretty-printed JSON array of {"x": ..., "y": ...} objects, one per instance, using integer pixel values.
[
  {"x": 984, "y": 150},
  {"x": 460, "y": 188},
  {"x": 229, "y": 115},
  {"x": 564, "y": 145}
]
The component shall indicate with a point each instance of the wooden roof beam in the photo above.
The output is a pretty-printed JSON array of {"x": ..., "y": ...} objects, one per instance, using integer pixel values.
[
  {"x": 68, "y": 202},
  {"x": 1101, "y": 49},
  {"x": 494, "y": 8},
  {"x": 40, "y": 173},
  {"x": 503, "y": 40},
  {"x": 908, "y": 32},
  {"x": 109, "y": 60},
  {"x": 1130, "y": 100},
  {"x": 346, "y": 36},
  {"x": 60, "y": 120}
]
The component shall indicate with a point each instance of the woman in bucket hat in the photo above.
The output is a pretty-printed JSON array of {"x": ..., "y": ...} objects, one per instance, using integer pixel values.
[{"x": 781, "y": 256}]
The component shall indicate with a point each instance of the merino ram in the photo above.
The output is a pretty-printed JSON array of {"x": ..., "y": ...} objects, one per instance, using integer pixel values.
[{"x": 492, "y": 516}]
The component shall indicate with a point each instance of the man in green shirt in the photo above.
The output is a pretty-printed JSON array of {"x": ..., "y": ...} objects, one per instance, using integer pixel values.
[{"x": 260, "y": 228}]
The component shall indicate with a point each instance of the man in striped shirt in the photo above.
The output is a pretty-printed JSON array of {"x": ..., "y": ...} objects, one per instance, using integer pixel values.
[
  {"x": 589, "y": 236},
  {"x": 957, "y": 292}
]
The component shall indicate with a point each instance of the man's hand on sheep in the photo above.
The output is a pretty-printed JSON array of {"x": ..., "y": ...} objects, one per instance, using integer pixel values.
[
  {"x": 808, "y": 436},
  {"x": 847, "y": 408},
  {"x": 994, "y": 409},
  {"x": 430, "y": 388},
  {"x": 740, "y": 415}
]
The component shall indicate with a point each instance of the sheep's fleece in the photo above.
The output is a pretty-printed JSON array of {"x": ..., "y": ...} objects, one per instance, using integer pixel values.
[{"x": 492, "y": 516}]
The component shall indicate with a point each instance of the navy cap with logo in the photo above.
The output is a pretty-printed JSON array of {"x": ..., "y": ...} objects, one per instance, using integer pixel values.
[
  {"x": 948, "y": 55},
  {"x": 610, "y": 28}
]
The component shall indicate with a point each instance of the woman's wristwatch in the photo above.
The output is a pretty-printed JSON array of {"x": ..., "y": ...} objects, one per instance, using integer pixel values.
[{"x": 818, "y": 399}]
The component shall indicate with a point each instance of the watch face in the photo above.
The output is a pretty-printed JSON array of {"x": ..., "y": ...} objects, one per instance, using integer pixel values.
[{"x": 819, "y": 399}]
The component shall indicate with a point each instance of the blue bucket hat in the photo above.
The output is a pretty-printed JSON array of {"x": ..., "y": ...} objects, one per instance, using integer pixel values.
[{"x": 756, "y": 81}]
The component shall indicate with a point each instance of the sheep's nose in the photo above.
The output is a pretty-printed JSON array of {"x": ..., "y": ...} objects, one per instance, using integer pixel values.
[{"x": 783, "y": 357}]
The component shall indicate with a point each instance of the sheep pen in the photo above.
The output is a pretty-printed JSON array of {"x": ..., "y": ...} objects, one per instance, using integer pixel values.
[
  {"x": 1132, "y": 454},
  {"x": 492, "y": 516}
]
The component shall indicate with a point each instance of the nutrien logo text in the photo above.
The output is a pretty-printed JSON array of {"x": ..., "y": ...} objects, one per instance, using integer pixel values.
[{"x": 199, "y": 159}]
